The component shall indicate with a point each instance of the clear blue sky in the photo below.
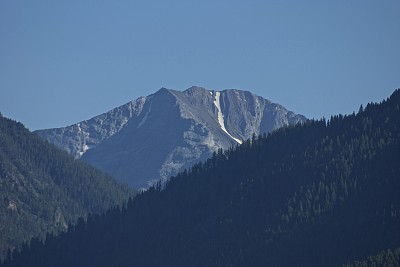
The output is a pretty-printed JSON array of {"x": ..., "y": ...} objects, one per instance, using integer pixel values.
[{"x": 65, "y": 61}]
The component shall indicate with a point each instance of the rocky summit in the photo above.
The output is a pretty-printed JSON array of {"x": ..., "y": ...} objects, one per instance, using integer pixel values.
[{"x": 157, "y": 136}]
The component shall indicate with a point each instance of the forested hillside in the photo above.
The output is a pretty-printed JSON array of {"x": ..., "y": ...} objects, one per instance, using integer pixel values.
[
  {"x": 387, "y": 258},
  {"x": 42, "y": 188},
  {"x": 318, "y": 194}
]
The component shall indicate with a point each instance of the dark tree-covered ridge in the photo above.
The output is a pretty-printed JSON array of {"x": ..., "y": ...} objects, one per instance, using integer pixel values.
[
  {"x": 318, "y": 194},
  {"x": 43, "y": 189},
  {"x": 387, "y": 258}
]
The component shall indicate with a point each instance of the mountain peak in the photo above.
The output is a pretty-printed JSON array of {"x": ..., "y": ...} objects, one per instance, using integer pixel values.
[
  {"x": 162, "y": 90},
  {"x": 196, "y": 88},
  {"x": 157, "y": 136}
]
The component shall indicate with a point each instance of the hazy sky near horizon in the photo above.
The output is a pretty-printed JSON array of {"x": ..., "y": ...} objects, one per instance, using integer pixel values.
[{"x": 66, "y": 61}]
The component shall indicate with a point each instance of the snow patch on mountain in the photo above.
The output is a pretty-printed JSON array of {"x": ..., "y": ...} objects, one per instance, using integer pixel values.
[{"x": 220, "y": 116}]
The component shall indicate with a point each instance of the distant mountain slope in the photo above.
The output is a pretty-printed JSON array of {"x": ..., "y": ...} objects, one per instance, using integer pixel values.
[
  {"x": 159, "y": 135},
  {"x": 317, "y": 194},
  {"x": 43, "y": 188}
]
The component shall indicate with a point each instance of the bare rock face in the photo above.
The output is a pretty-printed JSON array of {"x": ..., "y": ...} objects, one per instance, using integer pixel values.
[
  {"x": 80, "y": 137},
  {"x": 159, "y": 135},
  {"x": 59, "y": 220}
]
